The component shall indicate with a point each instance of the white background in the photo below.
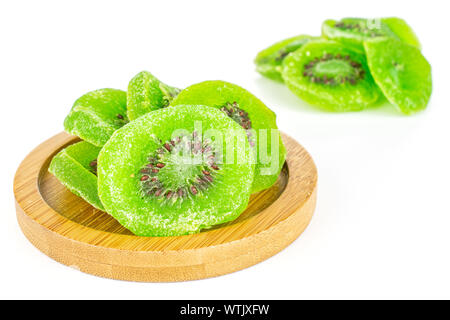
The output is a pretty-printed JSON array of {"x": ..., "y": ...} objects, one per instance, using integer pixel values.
[{"x": 382, "y": 224}]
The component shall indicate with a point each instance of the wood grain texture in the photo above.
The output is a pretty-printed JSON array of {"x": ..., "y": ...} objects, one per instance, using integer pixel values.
[{"x": 69, "y": 230}]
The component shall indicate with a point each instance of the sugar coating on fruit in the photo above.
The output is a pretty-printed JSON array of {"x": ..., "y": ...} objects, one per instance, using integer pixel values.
[
  {"x": 403, "y": 31},
  {"x": 402, "y": 73},
  {"x": 241, "y": 117},
  {"x": 269, "y": 61},
  {"x": 164, "y": 173},
  {"x": 252, "y": 115},
  {"x": 354, "y": 31},
  {"x": 96, "y": 115},
  {"x": 330, "y": 75},
  {"x": 332, "y": 70},
  {"x": 75, "y": 168},
  {"x": 146, "y": 93},
  {"x": 164, "y": 177}
]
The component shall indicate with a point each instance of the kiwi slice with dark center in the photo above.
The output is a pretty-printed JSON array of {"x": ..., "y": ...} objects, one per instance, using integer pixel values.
[
  {"x": 176, "y": 171},
  {"x": 330, "y": 75}
]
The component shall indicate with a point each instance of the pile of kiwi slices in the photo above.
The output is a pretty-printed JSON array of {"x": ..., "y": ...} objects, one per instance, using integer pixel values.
[
  {"x": 353, "y": 65},
  {"x": 167, "y": 162}
]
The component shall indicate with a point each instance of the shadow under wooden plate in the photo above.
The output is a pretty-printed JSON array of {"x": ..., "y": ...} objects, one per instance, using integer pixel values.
[{"x": 69, "y": 230}]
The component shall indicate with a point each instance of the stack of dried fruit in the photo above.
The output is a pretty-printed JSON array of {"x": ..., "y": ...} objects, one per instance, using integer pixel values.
[
  {"x": 353, "y": 64},
  {"x": 166, "y": 162}
]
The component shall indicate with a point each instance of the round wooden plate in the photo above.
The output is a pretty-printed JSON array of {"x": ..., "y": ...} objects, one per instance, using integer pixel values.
[{"x": 69, "y": 230}]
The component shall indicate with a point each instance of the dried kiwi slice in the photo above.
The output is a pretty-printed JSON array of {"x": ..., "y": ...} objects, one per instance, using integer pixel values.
[
  {"x": 146, "y": 93},
  {"x": 97, "y": 114},
  {"x": 163, "y": 174},
  {"x": 402, "y": 73},
  {"x": 330, "y": 75},
  {"x": 403, "y": 31},
  {"x": 269, "y": 61},
  {"x": 76, "y": 168},
  {"x": 354, "y": 31},
  {"x": 253, "y": 115}
]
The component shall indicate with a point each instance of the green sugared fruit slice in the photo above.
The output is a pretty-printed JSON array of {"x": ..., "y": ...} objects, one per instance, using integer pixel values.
[
  {"x": 76, "y": 168},
  {"x": 401, "y": 72},
  {"x": 163, "y": 174},
  {"x": 354, "y": 31},
  {"x": 403, "y": 31},
  {"x": 328, "y": 74},
  {"x": 96, "y": 115},
  {"x": 269, "y": 61},
  {"x": 253, "y": 115},
  {"x": 146, "y": 93}
]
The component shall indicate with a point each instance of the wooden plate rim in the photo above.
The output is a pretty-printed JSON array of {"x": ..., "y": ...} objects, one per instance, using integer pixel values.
[{"x": 38, "y": 161}]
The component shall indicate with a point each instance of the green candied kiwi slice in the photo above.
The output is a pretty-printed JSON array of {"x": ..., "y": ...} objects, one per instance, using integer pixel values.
[
  {"x": 253, "y": 115},
  {"x": 146, "y": 93},
  {"x": 97, "y": 114},
  {"x": 162, "y": 174},
  {"x": 269, "y": 61},
  {"x": 403, "y": 31},
  {"x": 402, "y": 73},
  {"x": 76, "y": 168},
  {"x": 328, "y": 74},
  {"x": 354, "y": 31}
]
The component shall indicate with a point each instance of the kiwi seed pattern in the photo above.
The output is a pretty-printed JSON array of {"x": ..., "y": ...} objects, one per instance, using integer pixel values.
[
  {"x": 199, "y": 178},
  {"x": 93, "y": 166},
  {"x": 363, "y": 30},
  {"x": 241, "y": 117},
  {"x": 354, "y": 73}
]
